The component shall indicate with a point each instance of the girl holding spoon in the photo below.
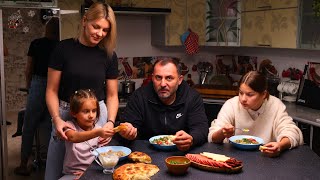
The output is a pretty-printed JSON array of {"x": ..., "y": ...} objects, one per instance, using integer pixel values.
[{"x": 263, "y": 114}]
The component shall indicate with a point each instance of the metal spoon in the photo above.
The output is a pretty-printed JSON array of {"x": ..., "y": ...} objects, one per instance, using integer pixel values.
[
  {"x": 92, "y": 148},
  {"x": 243, "y": 129}
]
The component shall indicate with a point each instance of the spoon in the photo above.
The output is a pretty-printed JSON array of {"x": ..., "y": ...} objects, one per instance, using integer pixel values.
[
  {"x": 243, "y": 129},
  {"x": 92, "y": 148}
]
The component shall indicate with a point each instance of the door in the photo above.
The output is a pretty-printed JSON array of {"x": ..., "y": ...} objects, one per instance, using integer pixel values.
[
  {"x": 24, "y": 24},
  {"x": 3, "y": 128}
]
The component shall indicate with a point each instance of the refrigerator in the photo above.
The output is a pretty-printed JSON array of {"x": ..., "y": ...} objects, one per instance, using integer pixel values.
[{"x": 18, "y": 27}]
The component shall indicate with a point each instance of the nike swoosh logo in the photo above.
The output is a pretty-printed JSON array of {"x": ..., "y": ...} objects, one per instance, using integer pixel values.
[{"x": 178, "y": 115}]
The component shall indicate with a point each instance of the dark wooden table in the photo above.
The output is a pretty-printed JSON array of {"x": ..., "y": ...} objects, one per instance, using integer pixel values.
[{"x": 299, "y": 163}]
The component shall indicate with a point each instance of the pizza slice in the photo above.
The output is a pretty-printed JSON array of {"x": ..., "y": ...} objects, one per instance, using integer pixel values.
[{"x": 140, "y": 157}]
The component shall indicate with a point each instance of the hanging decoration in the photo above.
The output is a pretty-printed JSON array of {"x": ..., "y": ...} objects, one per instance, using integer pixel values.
[
  {"x": 31, "y": 13},
  {"x": 14, "y": 20},
  {"x": 25, "y": 29}
]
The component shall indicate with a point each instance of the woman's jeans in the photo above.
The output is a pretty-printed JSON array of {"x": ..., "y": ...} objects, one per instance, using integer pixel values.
[
  {"x": 57, "y": 150},
  {"x": 36, "y": 113}
]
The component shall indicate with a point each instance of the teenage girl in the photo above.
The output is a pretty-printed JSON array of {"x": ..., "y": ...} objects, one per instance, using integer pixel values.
[{"x": 84, "y": 108}]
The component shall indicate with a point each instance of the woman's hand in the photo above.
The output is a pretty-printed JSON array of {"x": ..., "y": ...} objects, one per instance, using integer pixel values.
[
  {"x": 103, "y": 141},
  {"x": 273, "y": 149},
  {"x": 183, "y": 140},
  {"x": 227, "y": 130},
  {"x": 130, "y": 133},
  {"x": 60, "y": 125},
  {"x": 107, "y": 134}
]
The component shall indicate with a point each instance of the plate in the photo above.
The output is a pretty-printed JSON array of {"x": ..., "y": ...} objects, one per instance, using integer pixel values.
[
  {"x": 215, "y": 169},
  {"x": 245, "y": 146},
  {"x": 103, "y": 149},
  {"x": 162, "y": 147}
]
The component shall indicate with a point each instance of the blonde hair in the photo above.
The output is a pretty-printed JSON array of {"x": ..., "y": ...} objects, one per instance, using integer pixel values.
[{"x": 100, "y": 10}]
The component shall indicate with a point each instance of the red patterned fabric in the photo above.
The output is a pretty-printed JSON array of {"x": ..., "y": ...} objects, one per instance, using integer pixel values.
[{"x": 192, "y": 43}]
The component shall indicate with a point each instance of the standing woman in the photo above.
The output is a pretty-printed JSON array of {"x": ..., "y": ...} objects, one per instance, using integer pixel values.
[
  {"x": 85, "y": 62},
  {"x": 264, "y": 115}
]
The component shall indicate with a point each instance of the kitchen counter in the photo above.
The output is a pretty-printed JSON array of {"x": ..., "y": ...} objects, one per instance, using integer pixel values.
[{"x": 302, "y": 114}]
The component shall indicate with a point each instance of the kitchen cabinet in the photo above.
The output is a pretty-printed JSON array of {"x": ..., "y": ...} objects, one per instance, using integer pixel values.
[
  {"x": 310, "y": 25},
  {"x": 166, "y": 30},
  {"x": 275, "y": 28},
  {"x": 138, "y": 3},
  {"x": 254, "y": 5},
  {"x": 69, "y": 22},
  {"x": 223, "y": 23},
  {"x": 149, "y": 3}
]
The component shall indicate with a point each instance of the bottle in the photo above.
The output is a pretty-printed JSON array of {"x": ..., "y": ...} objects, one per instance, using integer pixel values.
[{"x": 189, "y": 80}]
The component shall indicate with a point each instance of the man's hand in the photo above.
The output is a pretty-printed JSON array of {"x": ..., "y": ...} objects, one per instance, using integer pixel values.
[
  {"x": 272, "y": 149},
  {"x": 130, "y": 132},
  {"x": 183, "y": 140}
]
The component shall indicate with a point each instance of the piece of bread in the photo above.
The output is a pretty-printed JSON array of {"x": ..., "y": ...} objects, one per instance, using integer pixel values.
[
  {"x": 135, "y": 171},
  {"x": 140, "y": 157},
  {"x": 262, "y": 148},
  {"x": 121, "y": 127}
]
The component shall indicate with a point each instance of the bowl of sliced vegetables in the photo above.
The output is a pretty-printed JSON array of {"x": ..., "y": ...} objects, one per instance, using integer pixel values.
[
  {"x": 246, "y": 142},
  {"x": 163, "y": 142}
]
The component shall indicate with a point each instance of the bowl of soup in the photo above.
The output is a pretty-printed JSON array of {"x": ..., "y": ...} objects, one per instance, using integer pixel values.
[
  {"x": 177, "y": 165},
  {"x": 246, "y": 142}
]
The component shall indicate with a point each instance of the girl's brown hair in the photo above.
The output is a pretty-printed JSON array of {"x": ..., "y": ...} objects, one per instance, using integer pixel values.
[
  {"x": 100, "y": 10},
  {"x": 77, "y": 99},
  {"x": 256, "y": 81}
]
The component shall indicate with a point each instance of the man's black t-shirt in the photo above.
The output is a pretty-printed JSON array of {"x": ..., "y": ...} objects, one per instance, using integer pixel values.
[
  {"x": 82, "y": 67},
  {"x": 40, "y": 51}
]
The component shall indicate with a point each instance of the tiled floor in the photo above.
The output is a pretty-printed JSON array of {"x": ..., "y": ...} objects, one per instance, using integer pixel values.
[{"x": 14, "y": 145}]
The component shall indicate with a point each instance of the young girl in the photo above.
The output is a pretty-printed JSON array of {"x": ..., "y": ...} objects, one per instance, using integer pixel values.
[
  {"x": 84, "y": 108},
  {"x": 263, "y": 114}
]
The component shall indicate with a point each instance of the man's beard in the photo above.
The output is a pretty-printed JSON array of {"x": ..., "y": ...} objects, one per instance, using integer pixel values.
[{"x": 168, "y": 94}]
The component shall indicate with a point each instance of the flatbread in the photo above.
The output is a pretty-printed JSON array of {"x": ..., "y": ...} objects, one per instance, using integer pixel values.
[
  {"x": 121, "y": 127},
  {"x": 135, "y": 171},
  {"x": 262, "y": 148},
  {"x": 140, "y": 157}
]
